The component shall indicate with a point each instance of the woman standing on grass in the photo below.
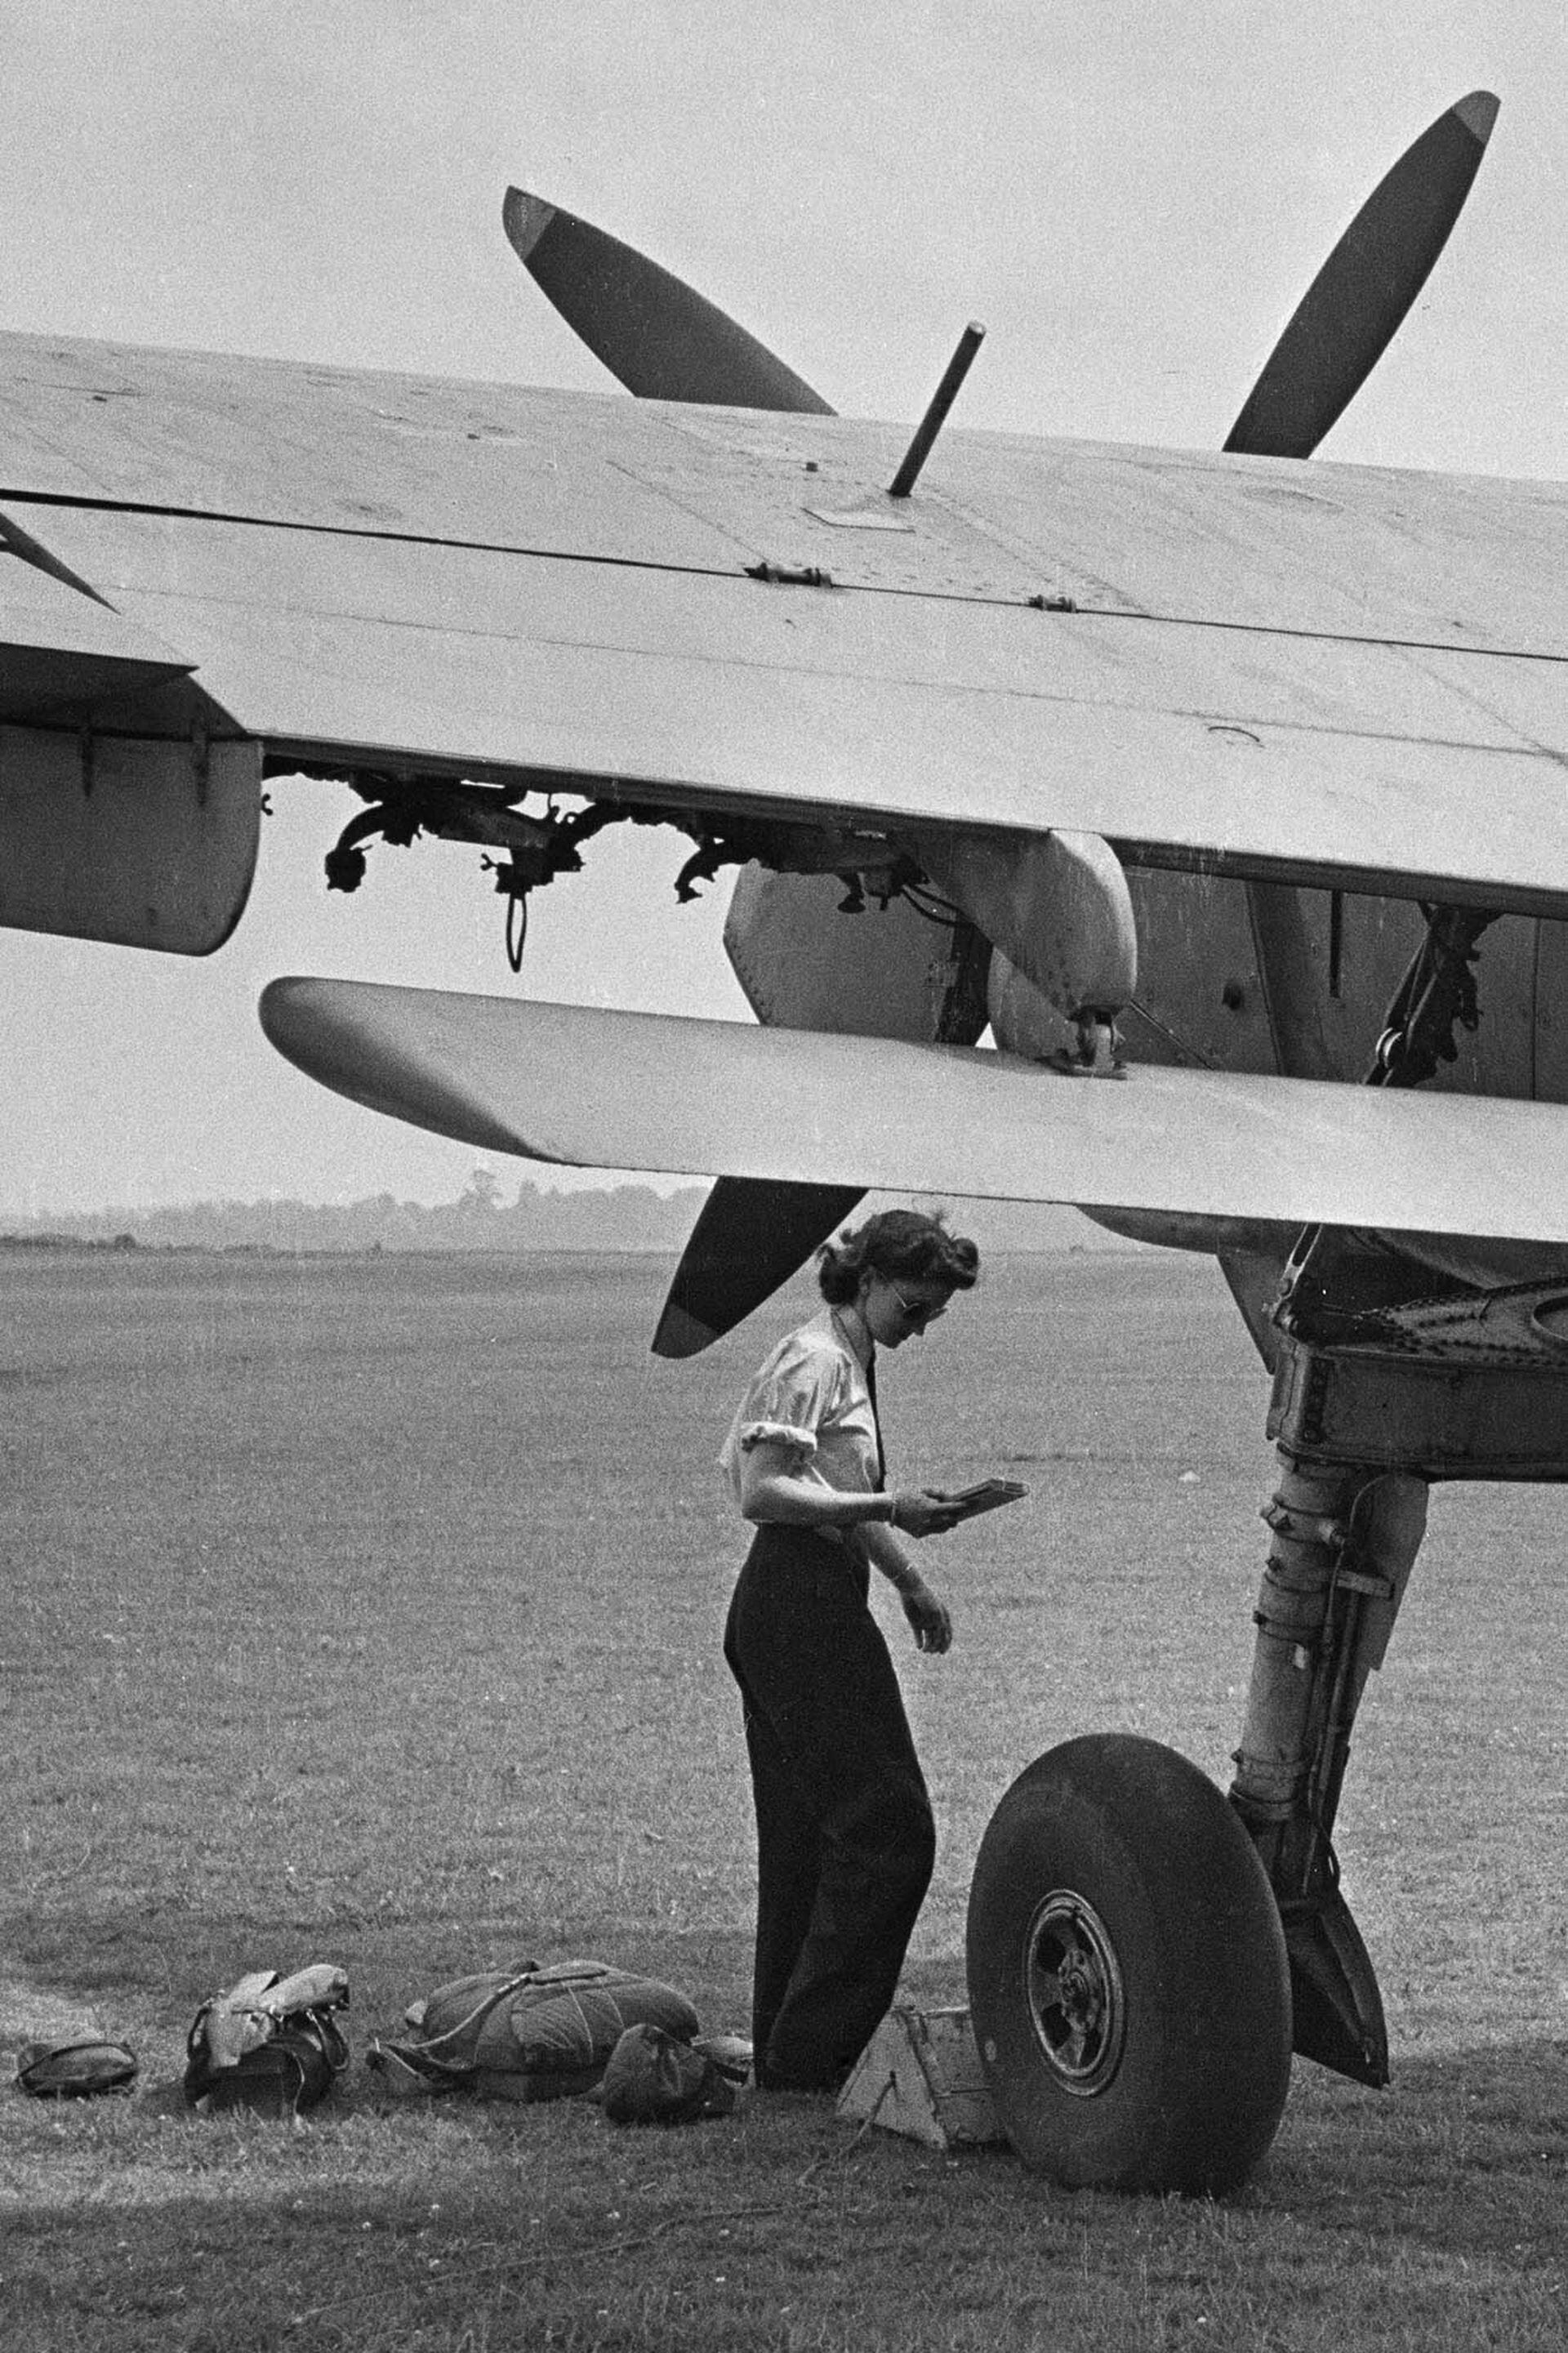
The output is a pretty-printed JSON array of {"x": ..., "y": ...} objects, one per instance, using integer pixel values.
[{"x": 844, "y": 1837}]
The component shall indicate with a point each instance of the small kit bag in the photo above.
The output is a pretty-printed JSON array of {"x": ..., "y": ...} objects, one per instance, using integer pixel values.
[
  {"x": 530, "y": 2033},
  {"x": 74, "y": 2071},
  {"x": 653, "y": 2079},
  {"x": 272, "y": 2044}
]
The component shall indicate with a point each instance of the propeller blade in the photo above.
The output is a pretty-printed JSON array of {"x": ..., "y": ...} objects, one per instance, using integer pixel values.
[
  {"x": 751, "y": 1235},
  {"x": 663, "y": 342},
  {"x": 1352, "y": 308},
  {"x": 658, "y": 337},
  {"x": 1339, "y": 331}
]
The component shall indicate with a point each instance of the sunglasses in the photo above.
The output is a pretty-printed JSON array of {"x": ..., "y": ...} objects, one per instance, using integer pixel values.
[{"x": 918, "y": 1313}]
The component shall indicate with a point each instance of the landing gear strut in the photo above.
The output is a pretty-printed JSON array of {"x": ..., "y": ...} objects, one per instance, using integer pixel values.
[
  {"x": 1144, "y": 1955},
  {"x": 1375, "y": 1397},
  {"x": 1344, "y": 1544}
]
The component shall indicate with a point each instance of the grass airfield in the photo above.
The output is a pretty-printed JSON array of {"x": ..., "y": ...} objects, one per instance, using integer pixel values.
[{"x": 368, "y": 1611}]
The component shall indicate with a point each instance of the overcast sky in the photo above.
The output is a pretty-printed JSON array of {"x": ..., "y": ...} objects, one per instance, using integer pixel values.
[{"x": 1131, "y": 197}]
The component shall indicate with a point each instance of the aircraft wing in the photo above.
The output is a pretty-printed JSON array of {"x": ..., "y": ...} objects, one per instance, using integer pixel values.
[
  {"x": 1361, "y": 679},
  {"x": 577, "y": 1085},
  {"x": 55, "y": 639}
]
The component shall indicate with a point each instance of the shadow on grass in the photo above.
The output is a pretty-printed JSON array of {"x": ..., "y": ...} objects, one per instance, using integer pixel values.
[
  {"x": 1466, "y": 2153},
  {"x": 1430, "y": 2215}
]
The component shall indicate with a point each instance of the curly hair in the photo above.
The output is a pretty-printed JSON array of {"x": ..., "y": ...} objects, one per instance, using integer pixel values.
[{"x": 894, "y": 1243}]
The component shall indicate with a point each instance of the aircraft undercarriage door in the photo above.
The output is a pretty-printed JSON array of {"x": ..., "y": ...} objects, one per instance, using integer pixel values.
[{"x": 146, "y": 842}]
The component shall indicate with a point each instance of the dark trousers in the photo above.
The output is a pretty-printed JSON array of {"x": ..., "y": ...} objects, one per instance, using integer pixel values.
[{"x": 844, "y": 1837}]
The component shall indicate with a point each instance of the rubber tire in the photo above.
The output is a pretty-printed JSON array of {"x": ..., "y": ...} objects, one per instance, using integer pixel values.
[{"x": 1140, "y": 1834}]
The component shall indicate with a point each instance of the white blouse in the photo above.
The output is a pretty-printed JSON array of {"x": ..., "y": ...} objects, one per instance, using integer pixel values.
[{"x": 810, "y": 1398}]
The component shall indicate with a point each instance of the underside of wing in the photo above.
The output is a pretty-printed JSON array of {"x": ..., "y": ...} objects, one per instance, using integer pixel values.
[
  {"x": 1361, "y": 767},
  {"x": 575, "y": 1085}
]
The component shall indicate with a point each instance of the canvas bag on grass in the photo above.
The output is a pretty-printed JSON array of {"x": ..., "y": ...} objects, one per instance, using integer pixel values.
[
  {"x": 74, "y": 2071},
  {"x": 527, "y": 2034},
  {"x": 270, "y": 2044},
  {"x": 653, "y": 2078}
]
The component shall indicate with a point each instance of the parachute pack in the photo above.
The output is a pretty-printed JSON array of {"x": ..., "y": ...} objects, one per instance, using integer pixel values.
[{"x": 531, "y": 2033}]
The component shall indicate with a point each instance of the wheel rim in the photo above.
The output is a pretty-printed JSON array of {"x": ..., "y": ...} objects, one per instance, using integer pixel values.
[{"x": 1073, "y": 1984}]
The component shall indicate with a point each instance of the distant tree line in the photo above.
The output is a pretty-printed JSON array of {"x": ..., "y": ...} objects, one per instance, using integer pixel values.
[
  {"x": 621, "y": 1217},
  {"x": 615, "y": 1218}
]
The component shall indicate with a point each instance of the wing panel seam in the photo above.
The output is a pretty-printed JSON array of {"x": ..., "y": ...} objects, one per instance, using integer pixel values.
[{"x": 77, "y": 502}]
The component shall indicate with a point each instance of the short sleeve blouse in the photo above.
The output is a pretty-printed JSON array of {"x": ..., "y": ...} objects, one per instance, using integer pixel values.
[{"x": 810, "y": 1398}]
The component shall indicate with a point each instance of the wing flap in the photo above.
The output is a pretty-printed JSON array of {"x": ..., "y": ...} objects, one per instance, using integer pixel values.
[
  {"x": 1376, "y": 769},
  {"x": 587, "y": 1087}
]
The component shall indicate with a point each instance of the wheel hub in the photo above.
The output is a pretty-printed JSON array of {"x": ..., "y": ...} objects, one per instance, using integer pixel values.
[{"x": 1073, "y": 1985}]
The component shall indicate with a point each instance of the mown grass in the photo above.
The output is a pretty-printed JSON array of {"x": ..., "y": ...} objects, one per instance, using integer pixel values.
[{"x": 368, "y": 1611}]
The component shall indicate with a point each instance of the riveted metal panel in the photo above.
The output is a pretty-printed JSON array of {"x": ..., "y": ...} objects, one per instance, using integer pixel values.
[{"x": 1440, "y": 1414}]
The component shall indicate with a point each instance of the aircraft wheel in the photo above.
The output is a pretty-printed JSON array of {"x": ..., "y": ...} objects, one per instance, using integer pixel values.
[{"x": 1128, "y": 1982}]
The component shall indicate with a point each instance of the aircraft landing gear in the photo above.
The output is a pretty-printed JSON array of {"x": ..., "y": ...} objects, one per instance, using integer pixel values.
[
  {"x": 1344, "y": 1543},
  {"x": 1375, "y": 1396},
  {"x": 1128, "y": 1983},
  {"x": 1144, "y": 1953}
]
